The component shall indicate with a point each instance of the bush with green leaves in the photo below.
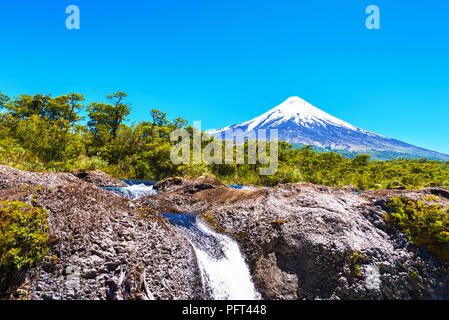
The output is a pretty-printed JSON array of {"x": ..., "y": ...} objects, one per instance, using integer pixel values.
[
  {"x": 425, "y": 223},
  {"x": 24, "y": 236},
  {"x": 86, "y": 163}
]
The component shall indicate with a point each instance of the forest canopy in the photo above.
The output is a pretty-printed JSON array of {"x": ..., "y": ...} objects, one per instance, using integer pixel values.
[{"x": 64, "y": 133}]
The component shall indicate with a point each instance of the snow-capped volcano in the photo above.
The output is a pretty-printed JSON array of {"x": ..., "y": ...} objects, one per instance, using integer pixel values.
[
  {"x": 297, "y": 121},
  {"x": 298, "y": 111}
]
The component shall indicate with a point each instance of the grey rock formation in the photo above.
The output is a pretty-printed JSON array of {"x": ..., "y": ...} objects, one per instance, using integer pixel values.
[
  {"x": 99, "y": 178},
  {"x": 103, "y": 247},
  {"x": 312, "y": 242},
  {"x": 187, "y": 185},
  {"x": 14, "y": 178}
]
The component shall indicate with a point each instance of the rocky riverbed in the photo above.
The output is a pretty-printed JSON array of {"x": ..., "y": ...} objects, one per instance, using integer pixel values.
[{"x": 299, "y": 240}]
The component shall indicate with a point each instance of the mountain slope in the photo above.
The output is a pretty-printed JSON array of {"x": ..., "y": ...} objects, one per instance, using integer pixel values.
[{"x": 299, "y": 122}]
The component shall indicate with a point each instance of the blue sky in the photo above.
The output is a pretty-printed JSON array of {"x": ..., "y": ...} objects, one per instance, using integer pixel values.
[{"x": 225, "y": 62}]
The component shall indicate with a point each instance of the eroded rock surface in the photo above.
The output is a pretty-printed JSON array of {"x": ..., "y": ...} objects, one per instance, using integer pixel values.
[
  {"x": 99, "y": 178},
  {"x": 14, "y": 178},
  {"x": 103, "y": 246},
  {"x": 188, "y": 186},
  {"x": 304, "y": 241}
]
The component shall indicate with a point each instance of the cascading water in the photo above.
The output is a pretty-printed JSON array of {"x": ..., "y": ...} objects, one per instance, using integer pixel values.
[
  {"x": 134, "y": 190},
  {"x": 223, "y": 269}
]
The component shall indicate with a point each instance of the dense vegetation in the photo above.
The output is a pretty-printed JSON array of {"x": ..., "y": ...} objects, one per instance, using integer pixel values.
[
  {"x": 23, "y": 239},
  {"x": 376, "y": 155},
  {"x": 42, "y": 133},
  {"x": 425, "y": 223}
]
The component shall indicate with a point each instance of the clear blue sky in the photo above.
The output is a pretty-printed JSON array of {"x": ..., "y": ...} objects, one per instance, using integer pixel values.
[{"x": 227, "y": 61}]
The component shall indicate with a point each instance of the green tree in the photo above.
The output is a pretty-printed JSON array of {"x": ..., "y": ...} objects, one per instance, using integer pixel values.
[
  {"x": 4, "y": 99},
  {"x": 66, "y": 107},
  {"x": 361, "y": 160},
  {"x": 26, "y": 106},
  {"x": 108, "y": 117}
]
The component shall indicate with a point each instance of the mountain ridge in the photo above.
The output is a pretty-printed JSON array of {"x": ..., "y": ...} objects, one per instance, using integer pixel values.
[{"x": 299, "y": 122}]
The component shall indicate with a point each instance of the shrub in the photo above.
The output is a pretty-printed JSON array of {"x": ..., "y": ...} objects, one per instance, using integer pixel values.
[
  {"x": 356, "y": 258},
  {"x": 86, "y": 163},
  {"x": 23, "y": 236},
  {"x": 194, "y": 170},
  {"x": 394, "y": 184},
  {"x": 378, "y": 186},
  {"x": 423, "y": 224}
]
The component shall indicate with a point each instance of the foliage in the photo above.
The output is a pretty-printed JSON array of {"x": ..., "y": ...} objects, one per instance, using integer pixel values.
[
  {"x": 376, "y": 155},
  {"x": 86, "y": 163},
  {"x": 107, "y": 118},
  {"x": 425, "y": 223},
  {"x": 23, "y": 235},
  {"x": 356, "y": 259}
]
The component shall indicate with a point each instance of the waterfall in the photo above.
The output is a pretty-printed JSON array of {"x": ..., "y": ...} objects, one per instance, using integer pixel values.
[
  {"x": 223, "y": 269},
  {"x": 134, "y": 190}
]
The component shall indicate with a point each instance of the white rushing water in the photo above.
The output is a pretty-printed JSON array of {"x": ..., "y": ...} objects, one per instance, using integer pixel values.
[
  {"x": 223, "y": 269},
  {"x": 228, "y": 276},
  {"x": 133, "y": 192}
]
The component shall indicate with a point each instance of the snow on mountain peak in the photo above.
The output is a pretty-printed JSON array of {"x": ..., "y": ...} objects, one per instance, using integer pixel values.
[{"x": 298, "y": 111}]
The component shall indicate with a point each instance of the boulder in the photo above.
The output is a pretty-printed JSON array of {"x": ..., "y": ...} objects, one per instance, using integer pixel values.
[
  {"x": 99, "y": 178},
  {"x": 15, "y": 178},
  {"x": 184, "y": 185}
]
